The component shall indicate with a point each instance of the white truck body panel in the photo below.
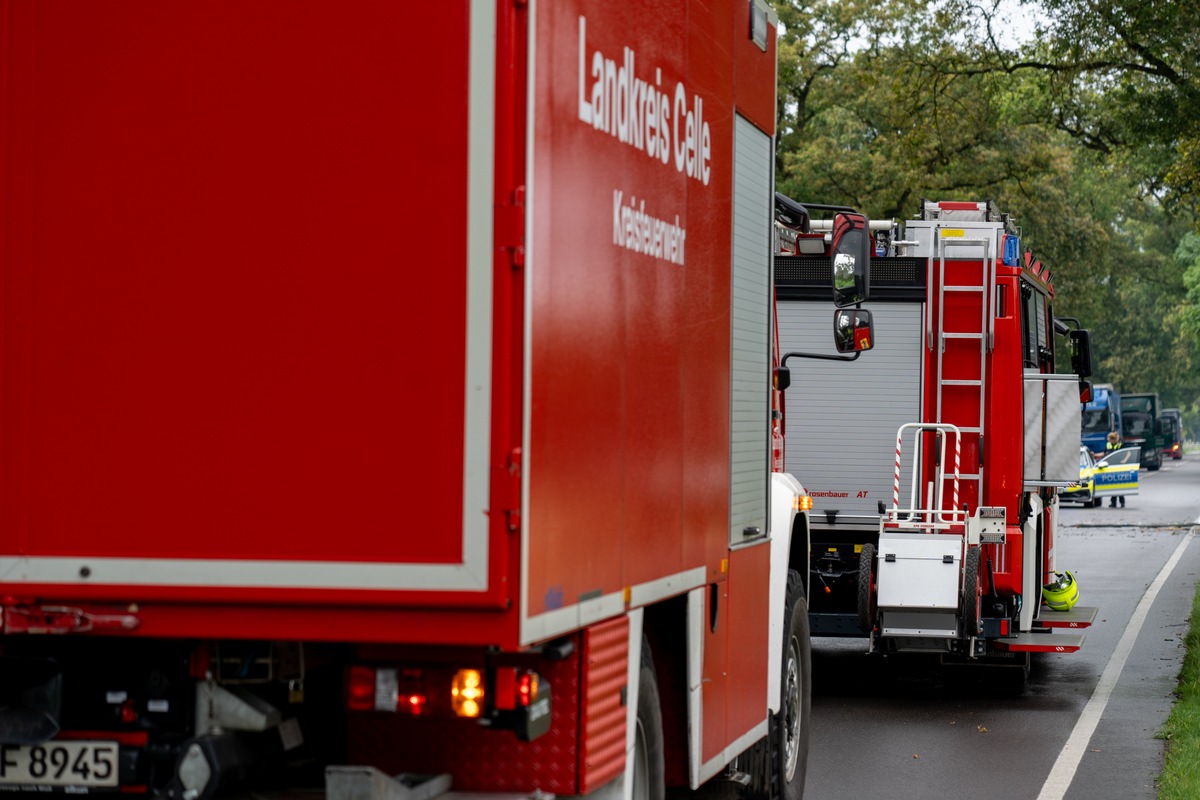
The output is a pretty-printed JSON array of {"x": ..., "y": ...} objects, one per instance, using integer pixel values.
[{"x": 842, "y": 417}]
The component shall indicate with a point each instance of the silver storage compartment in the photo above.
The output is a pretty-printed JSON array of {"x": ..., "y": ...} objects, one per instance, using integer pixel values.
[
  {"x": 1053, "y": 424},
  {"x": 922, "y": 232},
  {"x": 919, "y": 575}
]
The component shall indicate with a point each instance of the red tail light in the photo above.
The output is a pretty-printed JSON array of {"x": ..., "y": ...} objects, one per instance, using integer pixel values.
[
  {"x": 412, "y": 703},
  {"x": 527, "y": 689},
  {"x": 515, "y": 688},
  {"x": 403, "y": 690},
  {"x": 360, "y": 689}
]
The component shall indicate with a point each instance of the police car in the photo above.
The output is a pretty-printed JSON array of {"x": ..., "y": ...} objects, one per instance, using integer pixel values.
[{"x": 1114, "y": 475}]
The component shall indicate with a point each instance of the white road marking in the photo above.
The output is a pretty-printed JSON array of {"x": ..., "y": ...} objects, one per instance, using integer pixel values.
[{"x": 1060, "y": 777}]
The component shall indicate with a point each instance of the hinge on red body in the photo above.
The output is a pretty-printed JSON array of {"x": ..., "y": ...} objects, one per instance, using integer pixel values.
[
  {"x": 510, "y": 227},
  {"x": 513, "y": 514},
  {"x": 61, "y": 619}
]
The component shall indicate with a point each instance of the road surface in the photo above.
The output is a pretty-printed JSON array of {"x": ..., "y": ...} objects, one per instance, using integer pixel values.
[{"x": 890, "y": 727}]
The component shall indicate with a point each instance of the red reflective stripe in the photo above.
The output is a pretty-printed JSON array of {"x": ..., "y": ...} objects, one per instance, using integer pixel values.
[
  {"x": 128, "y": 738},
  {"x": 958, "y": 205}
]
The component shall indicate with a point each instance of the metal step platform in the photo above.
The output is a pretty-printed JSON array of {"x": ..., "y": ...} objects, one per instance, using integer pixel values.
[
  {"x": 1040, "y": 643},
  {"x": 1077, "y": 617}
]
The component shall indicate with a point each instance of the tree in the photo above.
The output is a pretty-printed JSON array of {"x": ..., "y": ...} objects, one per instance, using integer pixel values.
[
  {"x": 1188, "y": 256},
  {"x": 1121, "y": 78},
  {"x": 882, "y": 125},
  {"x": 1084, "y": 140}
]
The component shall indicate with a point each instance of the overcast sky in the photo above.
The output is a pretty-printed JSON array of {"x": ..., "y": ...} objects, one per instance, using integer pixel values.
[{"x": 1019, "y": 19}]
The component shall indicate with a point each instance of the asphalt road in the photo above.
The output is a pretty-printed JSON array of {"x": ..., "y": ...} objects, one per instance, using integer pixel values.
[{"x": 892, "y": 727}]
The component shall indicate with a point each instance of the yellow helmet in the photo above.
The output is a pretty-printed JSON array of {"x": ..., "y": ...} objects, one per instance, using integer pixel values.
[{"x": 1061, "y": 593}]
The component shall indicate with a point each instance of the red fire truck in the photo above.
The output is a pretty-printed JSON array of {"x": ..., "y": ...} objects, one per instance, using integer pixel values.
[
  {"x": 385, "y": 392},
  {"x": 936, "y": 466}
]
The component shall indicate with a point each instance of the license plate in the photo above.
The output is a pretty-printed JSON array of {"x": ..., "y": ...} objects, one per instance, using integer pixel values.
[{"x": 65, "y": 763}]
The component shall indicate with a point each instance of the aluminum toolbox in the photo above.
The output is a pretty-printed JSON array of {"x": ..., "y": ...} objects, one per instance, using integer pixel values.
[{"x": 919, "y": 575}]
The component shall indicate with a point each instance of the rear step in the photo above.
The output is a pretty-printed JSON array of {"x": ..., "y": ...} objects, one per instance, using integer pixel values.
[
  {"x": 1077, "y": 617},
  {"x": 1040, "y": 642}
]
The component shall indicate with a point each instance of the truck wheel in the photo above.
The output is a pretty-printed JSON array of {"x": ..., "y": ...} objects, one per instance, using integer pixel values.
[
  {"x": 866, "y": 588},
  {"x": 778, "y": 763},
  {"x": 648, "y": 772},
  {"x": 970, "y": 602},
  {"x": 797, "y": 691}
]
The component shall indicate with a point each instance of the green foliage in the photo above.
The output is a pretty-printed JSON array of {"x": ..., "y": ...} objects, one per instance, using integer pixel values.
[
  {"x": 881, "y": 126},
  {"x": 1188, "y": 318},
  {"x": 1188, "y": 255},
  {"x": 1088, "y": 134},
  {"x": 1180, "y": 779},
  {"x": 1120, "y": 77}
]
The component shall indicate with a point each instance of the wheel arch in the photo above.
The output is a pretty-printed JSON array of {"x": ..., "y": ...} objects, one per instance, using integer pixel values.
[
  {"x": 800, "y": 549},
  {"x": 664, "y": 629},
  {"x": 791, "y": 542}
]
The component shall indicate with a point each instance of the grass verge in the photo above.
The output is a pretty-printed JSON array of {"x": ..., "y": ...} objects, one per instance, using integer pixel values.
[{"x": 1180, "y": 779}]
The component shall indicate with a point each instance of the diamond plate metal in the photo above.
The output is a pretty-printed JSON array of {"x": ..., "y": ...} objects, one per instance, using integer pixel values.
[{"x": 479, "y": 758}]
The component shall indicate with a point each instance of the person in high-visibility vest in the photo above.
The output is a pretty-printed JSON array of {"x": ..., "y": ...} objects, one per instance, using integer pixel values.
[{"x": 1114, "y": 443}]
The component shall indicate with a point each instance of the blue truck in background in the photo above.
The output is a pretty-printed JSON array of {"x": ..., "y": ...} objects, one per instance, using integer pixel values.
[{"x": 1101, "y": 416}]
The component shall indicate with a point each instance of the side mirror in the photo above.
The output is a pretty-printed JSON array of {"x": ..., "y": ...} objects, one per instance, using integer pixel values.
[
  {"x": 853, "y": 331},
  {"x": 1081, "y": 353},
  {"x": 851, "y": 259},
  {"x": 1085, "y": 391},
  {"x": 783, "y": 378}
]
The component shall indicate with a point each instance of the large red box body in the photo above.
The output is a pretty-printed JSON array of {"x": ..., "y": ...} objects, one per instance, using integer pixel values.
[{"x": 325, "y": 312}]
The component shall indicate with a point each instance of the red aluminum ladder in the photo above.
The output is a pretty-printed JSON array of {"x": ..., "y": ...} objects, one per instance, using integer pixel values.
[{"x": 960, "y": 331}]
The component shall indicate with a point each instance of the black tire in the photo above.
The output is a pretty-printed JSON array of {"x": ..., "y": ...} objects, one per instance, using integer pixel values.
[
  {"x": 649, "y": 775},
  {"x": 971, "y": 600},
  {"x": 778, "y": 763},
  {"x": 1099, "y": 501},
  {"x": 866, "y": 589}
]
